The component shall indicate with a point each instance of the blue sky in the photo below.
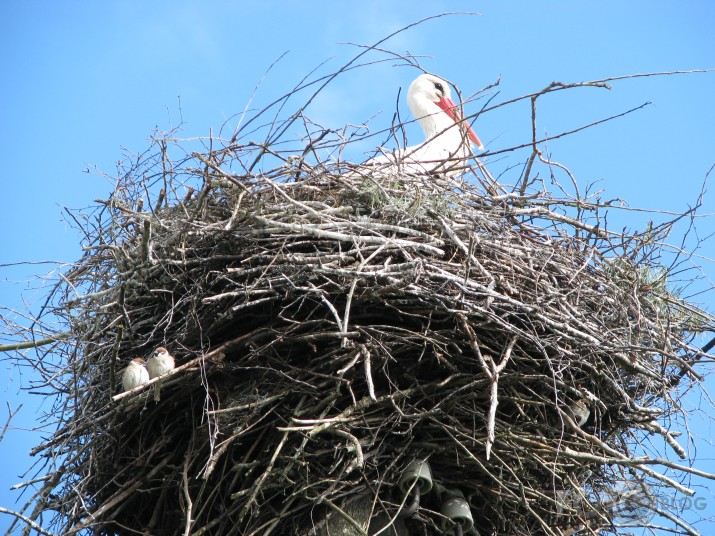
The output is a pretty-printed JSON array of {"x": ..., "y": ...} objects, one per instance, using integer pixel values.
[{"x": 84, "y": 81}]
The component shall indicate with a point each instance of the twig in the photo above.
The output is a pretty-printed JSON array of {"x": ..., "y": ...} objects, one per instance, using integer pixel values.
[{"x": 26, "y": 520}]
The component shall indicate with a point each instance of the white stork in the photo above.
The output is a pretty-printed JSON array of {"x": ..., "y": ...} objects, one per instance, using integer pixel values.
[{"x": 448, "y": 137}]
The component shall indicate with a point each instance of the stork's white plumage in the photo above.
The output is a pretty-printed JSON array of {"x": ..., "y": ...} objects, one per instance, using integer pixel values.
[{"x": 447, "y": 136}]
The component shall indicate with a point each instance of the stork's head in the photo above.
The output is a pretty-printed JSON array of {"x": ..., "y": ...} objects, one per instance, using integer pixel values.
[{"x": 430, "y": 101}]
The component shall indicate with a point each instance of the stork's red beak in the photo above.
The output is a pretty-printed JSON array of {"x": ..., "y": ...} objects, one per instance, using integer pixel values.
[{"x": 452, "y": 110}]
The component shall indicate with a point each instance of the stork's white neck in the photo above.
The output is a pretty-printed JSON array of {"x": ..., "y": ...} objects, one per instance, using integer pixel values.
[
  {"x": 431, "y": 117},
  {"x": 443, "y": 137}
]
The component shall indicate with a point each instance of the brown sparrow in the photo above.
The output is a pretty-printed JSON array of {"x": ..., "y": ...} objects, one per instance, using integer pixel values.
[
  {"x": 135, "y": 374},
  {"x": 159, "y": 364},
  {"x": 580, "y": 411}
]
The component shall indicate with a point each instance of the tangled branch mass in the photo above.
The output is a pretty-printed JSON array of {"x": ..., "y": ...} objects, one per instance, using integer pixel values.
[{"x": 337, "y": 326}]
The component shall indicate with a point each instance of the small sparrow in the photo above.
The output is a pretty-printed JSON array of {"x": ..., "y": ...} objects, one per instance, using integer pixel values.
[
  {"x": 580, "y": 411},
  {"x": 135, "y": 374},
  {"x": 159, "y": 364}
]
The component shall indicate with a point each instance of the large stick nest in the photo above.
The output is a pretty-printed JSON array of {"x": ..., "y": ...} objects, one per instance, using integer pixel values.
[{"x": 330, "y": 326}]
